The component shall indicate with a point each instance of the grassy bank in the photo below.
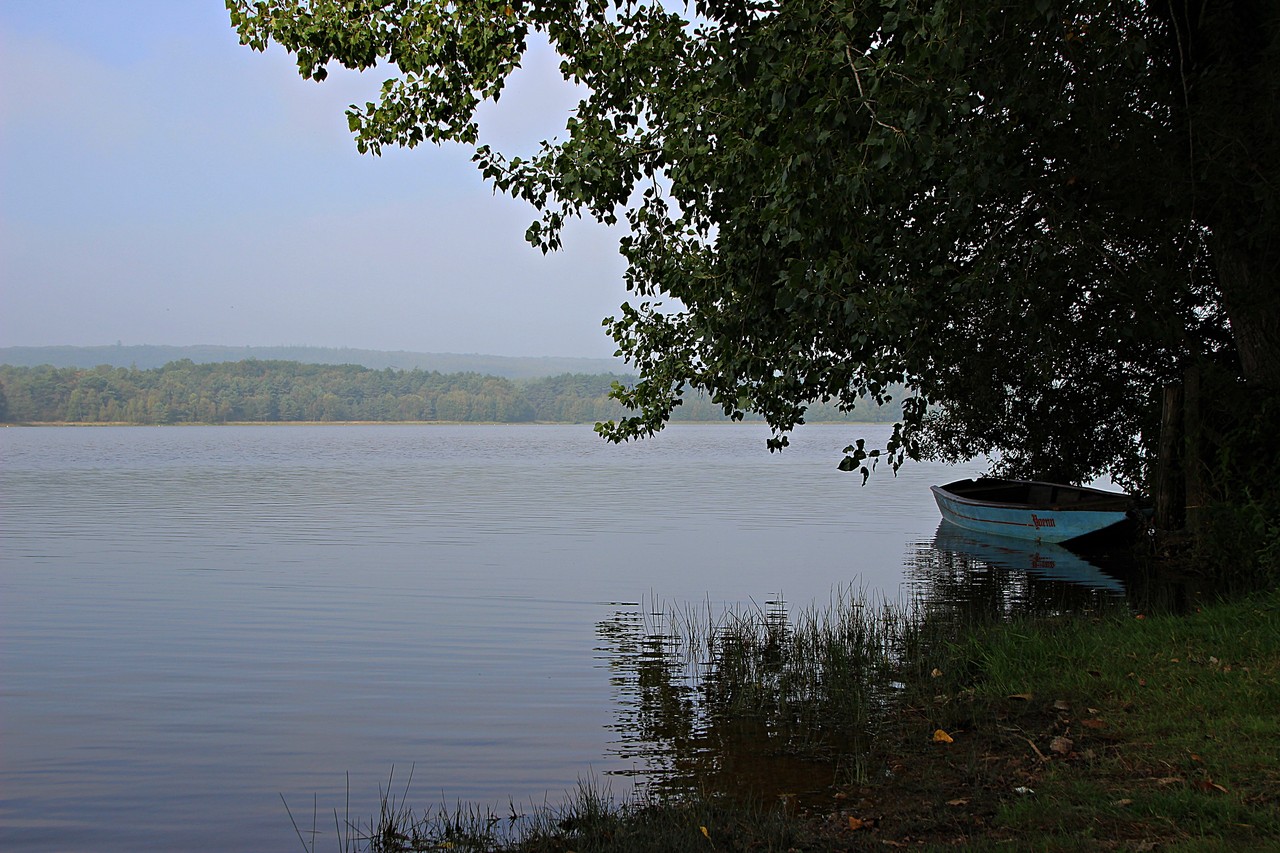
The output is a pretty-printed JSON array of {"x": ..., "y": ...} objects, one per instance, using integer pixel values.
[
  {"x": 1129, "y": 732},
  {"x": 1109, "y": 731}
]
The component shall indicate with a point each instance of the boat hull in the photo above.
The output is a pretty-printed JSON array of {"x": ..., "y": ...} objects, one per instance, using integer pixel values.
[{"x": 1084, "y": 512}]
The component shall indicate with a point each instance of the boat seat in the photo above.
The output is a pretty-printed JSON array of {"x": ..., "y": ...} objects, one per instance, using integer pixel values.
[{"x": 1041, "y": 493}]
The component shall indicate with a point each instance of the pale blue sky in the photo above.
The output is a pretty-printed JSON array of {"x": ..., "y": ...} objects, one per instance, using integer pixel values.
[{"x": 159, "y": 183}]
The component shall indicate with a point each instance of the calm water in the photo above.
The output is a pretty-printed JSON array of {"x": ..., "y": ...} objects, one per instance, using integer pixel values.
[{"x": 195, "y": 621}]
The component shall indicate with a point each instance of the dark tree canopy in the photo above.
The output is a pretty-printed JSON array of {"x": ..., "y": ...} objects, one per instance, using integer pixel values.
[{"x": 1033, "y": 214}]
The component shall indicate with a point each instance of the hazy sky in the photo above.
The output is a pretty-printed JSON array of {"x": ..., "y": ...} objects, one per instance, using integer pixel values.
[{"x": 162, "y": 184}]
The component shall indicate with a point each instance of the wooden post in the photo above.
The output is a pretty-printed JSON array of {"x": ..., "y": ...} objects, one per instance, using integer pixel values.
[
  {"x": 1192, "y": 450},
  {"x": 1169, "y": 502}
]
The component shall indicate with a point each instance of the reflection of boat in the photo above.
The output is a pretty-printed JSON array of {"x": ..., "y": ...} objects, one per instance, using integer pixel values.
[
  {"x": 1045, "y": 560},
  {"x": 1044, "y": 512}
]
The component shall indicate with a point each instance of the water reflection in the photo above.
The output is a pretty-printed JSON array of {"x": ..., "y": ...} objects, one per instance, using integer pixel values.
[
  {"x": 698, "y": 711},
  {"x": 980, "y": 576},
  {"x": 775, "y": 703},
  {"x": 651, "y": 677}
]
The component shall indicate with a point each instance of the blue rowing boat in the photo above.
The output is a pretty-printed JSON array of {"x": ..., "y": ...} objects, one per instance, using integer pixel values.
[{"x": 1042, "y": 512}]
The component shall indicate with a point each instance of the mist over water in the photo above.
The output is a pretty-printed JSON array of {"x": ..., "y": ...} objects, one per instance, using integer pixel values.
[{"x": 195, "y": 621}]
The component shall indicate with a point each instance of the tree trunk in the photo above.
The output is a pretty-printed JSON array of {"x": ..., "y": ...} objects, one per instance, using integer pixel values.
[
  {"x": 1251, "y": 293},
  {"x": 1227, "y": 56}
]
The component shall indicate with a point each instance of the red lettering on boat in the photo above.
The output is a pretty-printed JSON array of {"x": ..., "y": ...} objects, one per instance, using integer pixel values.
[{"x": 1042, "y": 522}]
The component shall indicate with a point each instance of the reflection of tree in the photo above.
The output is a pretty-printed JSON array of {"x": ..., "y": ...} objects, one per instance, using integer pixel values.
[
  {"x": 657, "y": 710},
  {"x": 747, "y": 704}
]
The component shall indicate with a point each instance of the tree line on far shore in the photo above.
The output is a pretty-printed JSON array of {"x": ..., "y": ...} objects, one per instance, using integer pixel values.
[{"x": 277, "y": 391}]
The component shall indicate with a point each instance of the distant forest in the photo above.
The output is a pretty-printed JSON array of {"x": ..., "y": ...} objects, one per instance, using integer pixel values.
[{"x": 272, "y": 391}]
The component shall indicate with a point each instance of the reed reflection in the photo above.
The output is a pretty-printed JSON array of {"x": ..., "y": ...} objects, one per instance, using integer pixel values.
[{"x": 757, "y": 703}]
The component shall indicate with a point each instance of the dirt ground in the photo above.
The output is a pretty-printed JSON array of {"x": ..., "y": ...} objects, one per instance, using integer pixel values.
[{"x": 928, "y": 791}]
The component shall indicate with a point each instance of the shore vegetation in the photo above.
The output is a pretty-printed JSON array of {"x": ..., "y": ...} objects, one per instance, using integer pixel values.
[{"x": 923, "y": 728}]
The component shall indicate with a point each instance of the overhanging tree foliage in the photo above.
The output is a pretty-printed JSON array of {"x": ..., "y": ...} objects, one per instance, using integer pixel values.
[{"x": 1034, "y": 214}]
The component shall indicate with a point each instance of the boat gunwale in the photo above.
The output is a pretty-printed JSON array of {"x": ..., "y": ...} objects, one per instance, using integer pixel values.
[{"x": 1114, "y": 502}]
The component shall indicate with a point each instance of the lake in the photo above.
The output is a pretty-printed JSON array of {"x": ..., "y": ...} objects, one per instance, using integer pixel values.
[{"x": 198, "y": 621}]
